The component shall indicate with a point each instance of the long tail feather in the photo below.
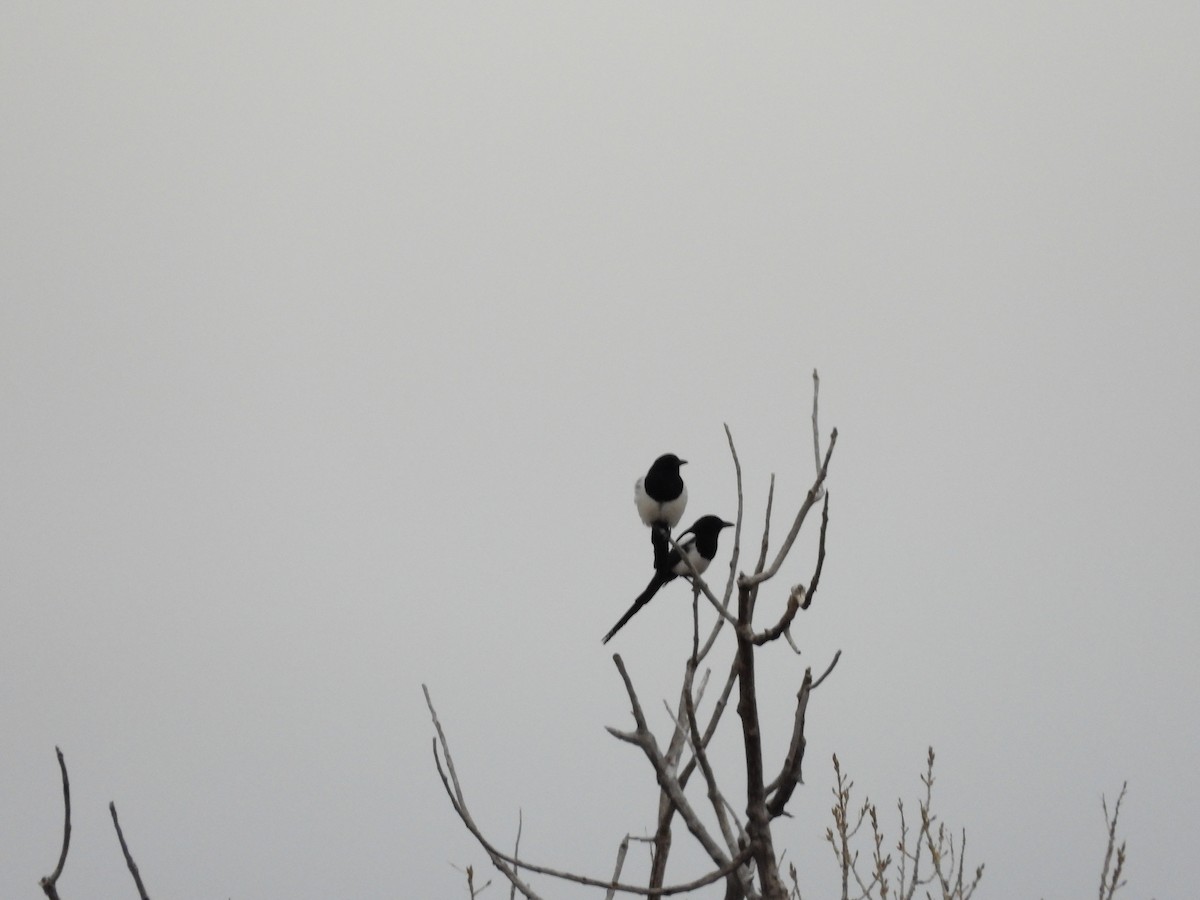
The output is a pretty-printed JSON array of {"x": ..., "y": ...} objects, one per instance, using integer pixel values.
[
  {"x": 659, "y": 579},
  {"x": 658, "y": 540}
]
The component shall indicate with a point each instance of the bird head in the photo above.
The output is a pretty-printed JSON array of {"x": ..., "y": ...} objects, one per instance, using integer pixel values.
[
  {"x": 670, "y": 462},
  {"x": 708, "y": 525}
]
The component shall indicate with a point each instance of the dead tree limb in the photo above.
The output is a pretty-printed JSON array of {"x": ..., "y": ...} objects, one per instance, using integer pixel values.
[
  {"x": 454, "y": 791},
  {"x": 512, "y": 891},
  {"x": 50, "y": 882},
  {"x": 815, "y": 429},
  {"x": 789, "y": 773},
  {"x": 507, "y": 865},
  {"x": 644, "y": 739},
  {"x": 133, "y": 869},
  {"x": 666, "y": 808}
]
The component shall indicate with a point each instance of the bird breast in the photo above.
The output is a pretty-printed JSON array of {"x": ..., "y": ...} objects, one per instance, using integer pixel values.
[{"x": 699, "y": 561}]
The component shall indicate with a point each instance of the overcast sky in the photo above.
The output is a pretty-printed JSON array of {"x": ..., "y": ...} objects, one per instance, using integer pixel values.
[{"x": 333, "y": 337}]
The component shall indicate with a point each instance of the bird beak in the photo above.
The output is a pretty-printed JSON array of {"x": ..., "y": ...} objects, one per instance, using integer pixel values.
[
  {"x": 726, "y": 524},
  {"x": 683, "y": 462}
]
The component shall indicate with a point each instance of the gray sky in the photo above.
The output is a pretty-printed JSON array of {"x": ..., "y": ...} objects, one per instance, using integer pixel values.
[{"x": 332, "y": 340}]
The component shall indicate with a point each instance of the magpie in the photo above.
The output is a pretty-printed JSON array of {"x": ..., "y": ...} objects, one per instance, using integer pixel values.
[
  {"x": 700, "y": 549},
  {"x": 661, "y": 497}
]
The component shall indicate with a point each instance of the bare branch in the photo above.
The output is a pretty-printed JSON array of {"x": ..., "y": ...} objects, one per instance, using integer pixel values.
[
  {"x": 1109, "y": 886},
  {"x": 503, "y": 861},
  {"x": 766, "y": 538},
  {"x": 666, "y": 809},
  {"x": 737, "y": 530},
  {"x": 833, "y": 662},
  {"x": 714, "y": 720},
  {"x": 714, "y": 793},
  {"x": 469, "y": 871},
  {"x": 666, "y": 780},
  {"x": 787, "y": 634},
  {"x": 795, "y": 603},
  {"x": 814, "y": 493},
  {"x": 816, "y": 579},
  {"x": 621, "y": 851},
  {"x": 512, "y": 891},
  {"x": 763, "y": 547},
  {"x": 50, "y": 882},
  {"x": 816, "y": 430},
  {"x": 799, "y": 599},
  {"x": 662, "y": 838},
  {"x": 133, "y": 869},
  {"x": 789, "y": 775},
  {"x": 454, "y": 791}
]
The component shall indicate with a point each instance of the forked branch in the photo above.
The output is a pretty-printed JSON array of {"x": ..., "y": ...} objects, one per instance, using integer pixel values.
[
  {"x": 507, "y": 865},
  {"x": 814, "y": 493},
  {"x": 644, "y": 739}
]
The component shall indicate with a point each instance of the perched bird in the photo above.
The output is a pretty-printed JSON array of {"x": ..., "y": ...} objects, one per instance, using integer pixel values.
[
  {"x": 661, "y": 497},
  {"x": 700, "y": 549}
]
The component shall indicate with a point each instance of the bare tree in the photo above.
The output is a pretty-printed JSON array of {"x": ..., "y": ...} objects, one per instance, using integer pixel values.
[
  {"x": 929, "y": 858},
  {"x": 740, "y": 848}
]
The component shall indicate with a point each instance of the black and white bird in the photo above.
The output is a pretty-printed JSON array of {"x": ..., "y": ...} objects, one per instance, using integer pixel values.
[
  {"x": 661, "y": 497},
  {"x": 700, "y": 549}
]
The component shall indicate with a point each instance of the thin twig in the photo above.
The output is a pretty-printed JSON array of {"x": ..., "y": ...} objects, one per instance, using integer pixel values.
[
  {"x": 816, "y": 579},
  {"x": 763, "y": 547},
  {"x": 133, "y": 869},
  {"x": 814, "y": 493},
  {"x": 833, "y": 662},
  {"x": 512, "y": 890},
  {"x": 621, "y": 851},
  {"x": 718, "y": 709},
  {"x": 766, "y": 538},
  {"x": 454, "y": 791},
  {"x": 1109, "y": 886},
  {"x": 503, "y": 861},
  {"x": 50, "y": 882},
  {"x": 737, "y": 523},
  {"x": 799, "y": 598},
  {"x": 816, "y": 430},
  {"x": 787, "y": 634}
]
